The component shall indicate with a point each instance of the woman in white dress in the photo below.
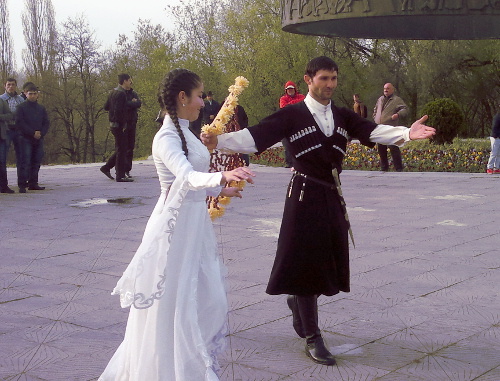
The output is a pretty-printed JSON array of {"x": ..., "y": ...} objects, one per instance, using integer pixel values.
[{"x": 174, "y": 285}]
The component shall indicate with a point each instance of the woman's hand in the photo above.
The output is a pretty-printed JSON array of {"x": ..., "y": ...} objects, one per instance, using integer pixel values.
[
  {"x": 210, "y": 140},
  {"x": 238, "y": 174},
  {"x": 231, "y": 192}
]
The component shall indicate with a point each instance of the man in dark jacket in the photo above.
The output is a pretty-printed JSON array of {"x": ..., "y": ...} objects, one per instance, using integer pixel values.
[
  {"x": 118, "y": 123},
  {"x": 133, "y": 106},
  {"x": 211, "y": 108},
  {"x": 33, "y": 123},
  {"x": 312, "y": 257},
  {"x": 6, "y": 116}
]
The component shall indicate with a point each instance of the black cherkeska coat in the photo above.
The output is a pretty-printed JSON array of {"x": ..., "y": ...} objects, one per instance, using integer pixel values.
[{"x": 313, "y": 249}]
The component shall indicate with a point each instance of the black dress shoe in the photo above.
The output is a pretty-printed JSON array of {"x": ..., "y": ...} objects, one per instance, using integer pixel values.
[
  {"x": 316, "y": 350},
  {"x": 6, "y": 189},
  {"x": 291, "y": 300},
  {"x": 107, "y": 173},
  {"x": 124, "y": 180},
  {"x": 36, "y": 187},
  {"x": 22, "y": 190}
]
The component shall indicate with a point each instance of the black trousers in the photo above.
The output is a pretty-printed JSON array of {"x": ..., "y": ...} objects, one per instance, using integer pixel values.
[
  {"x": 130, "y": 133},
  {"x": 396, "y": 157},
  {"x": 119, "y": 157}
]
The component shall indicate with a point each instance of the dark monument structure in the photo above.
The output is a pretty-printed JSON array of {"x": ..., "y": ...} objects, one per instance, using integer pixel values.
[{"x": 395, "y": 19}]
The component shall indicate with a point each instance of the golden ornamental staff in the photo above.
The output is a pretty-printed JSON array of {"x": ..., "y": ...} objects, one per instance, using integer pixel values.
[
  {"x": 228, "y": 162},
  {"x": 225, "y": 113}
]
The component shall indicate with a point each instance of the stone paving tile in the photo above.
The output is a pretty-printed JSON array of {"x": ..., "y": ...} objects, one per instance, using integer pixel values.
[{"x": 423, "y": 306}]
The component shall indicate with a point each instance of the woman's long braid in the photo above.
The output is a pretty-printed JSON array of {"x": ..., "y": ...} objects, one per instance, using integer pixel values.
[{"x": 174, "y": 82}]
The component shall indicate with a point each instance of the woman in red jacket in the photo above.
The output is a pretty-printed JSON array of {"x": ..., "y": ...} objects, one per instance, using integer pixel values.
[{"x": 291, "y": 96}]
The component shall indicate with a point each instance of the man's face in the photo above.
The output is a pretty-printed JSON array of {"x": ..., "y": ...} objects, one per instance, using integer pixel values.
[
  {"x": 290, "y": 91},
  {"x": 10, "y": 87},
  {"x": 127, "y": 84},
  {"x": 388, "y": 89},
  {"x": 32, "y": 95},
  {"x": 322, "y": 85}
]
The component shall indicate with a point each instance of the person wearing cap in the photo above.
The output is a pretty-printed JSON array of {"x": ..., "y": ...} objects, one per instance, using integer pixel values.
[
  {"x": 290, "y": 97},
  {"x": 33, "y": 122},
  {"x": 211, "y": 108}
]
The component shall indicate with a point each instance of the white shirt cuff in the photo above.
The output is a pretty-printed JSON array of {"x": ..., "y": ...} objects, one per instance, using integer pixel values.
[{"x": 390, "y": 135}]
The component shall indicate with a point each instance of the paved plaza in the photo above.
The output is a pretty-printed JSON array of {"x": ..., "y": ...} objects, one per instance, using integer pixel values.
[{"x": 424, "y": 302}]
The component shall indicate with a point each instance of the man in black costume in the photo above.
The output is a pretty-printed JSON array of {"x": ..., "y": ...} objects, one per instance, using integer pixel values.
[{"x": 312, "y": 257}]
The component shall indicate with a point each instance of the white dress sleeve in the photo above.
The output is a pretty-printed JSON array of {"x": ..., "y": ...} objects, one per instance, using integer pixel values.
[{"x": 168, "y": 149}]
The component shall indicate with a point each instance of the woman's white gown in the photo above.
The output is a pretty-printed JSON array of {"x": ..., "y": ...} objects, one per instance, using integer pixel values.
[{"x": 174, "y": 285}]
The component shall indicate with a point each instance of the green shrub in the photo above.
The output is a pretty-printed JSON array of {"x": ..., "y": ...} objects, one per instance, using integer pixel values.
[{"x": 446, "y": 117}]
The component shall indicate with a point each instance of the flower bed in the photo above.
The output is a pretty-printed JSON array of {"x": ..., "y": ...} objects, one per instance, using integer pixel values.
[{"x": 469, "y": 155}]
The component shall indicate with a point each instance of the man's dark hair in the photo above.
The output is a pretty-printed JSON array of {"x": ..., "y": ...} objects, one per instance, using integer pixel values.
[
  {"x": 122, "y": 78},
  {"x": 210, "y": 94},
  {"x": 30, "y": 86},
  {"x": 10, "y": 80},
  {"x": 320, "y": 63},
  {"x": 26, "y": 84}
]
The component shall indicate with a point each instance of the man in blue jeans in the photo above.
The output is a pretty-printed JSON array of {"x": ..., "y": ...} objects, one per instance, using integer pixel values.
[
  {"x": 33, "y": 122},
  {"x": 12, "y": 132}
]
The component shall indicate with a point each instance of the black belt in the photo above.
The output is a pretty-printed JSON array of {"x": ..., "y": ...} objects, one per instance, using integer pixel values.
[{"x": 331, "y": 186}]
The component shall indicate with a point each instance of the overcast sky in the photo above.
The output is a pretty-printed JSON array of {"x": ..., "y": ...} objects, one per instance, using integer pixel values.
[{"x": 108, "y": 18}]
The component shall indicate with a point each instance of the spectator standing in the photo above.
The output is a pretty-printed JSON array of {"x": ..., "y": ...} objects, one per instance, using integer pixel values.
[
  {"x": 33, "y": 122},
  {"x": 133, "y": 105},
  {"x": 5, "y": 117},
  {"x": 211, "y": 108},
  {"x": 116, "y": 105},
  {"x": 390, "y": 110},
  {"x": 13, "y": 134},
  {"x": 359, "y": 107},
  {"x": 494, "y": 160},
  {"x": 291, "y": 96}
]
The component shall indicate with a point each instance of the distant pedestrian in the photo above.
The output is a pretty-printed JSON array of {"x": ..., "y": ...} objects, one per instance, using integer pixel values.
[
  {"x": 494, "y": 160},
  {"x": 291, "y": 96},
  {"x": 13, "y": 134},
  {"x": 33, "y": 122},
  {"x": 359, "y": 107},
  {"x": 210, "y": 109},
  {"x": 389, "y": 110},
  {"x": 118, "y": 123},
  {"x": 5, "y": 117},
  {"x": 134, "y": 103}
]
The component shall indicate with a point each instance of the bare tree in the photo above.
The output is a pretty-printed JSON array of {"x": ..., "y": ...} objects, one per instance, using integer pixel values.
[
  {"x": 39, "y": 28},
  {"x": 79, "y": 68},
  {"x": 6, "y": 46}
]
